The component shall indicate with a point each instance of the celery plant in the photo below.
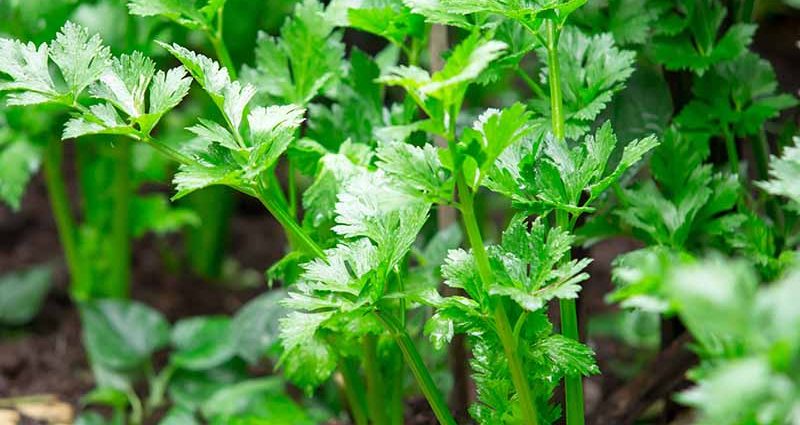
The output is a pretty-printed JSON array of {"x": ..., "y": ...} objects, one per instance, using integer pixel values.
[
  {"x": 121, "y": 85},
  {"x": 213, "y": 205}
]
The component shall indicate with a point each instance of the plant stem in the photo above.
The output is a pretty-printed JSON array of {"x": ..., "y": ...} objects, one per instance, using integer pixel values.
[
  {"x": 573, "y": 385},
  {"x": 165, "y": 149},
  {"x": 158, "y": 388},
  {"x": 730, "y": 147},
  {"x": 553, "y": 70},
  {"x": 220, "y": 48},
  {"x": 394, "y": 360},
  {"x": 292, "y": 184},
  {"x": 532, "y": 84},
  {"x": 120, "y": 226},
  {"x": 214, "y": 206},
  {"x": 286, "y": 218},
  {"x": 293, "y": 230},
  {"x": 206, "y": 244},
  {"x": 446, "y": 216},
  {"x": 376, "y": 393},
  {"x": 137, "y": 411},
  {"x": 275, "y": 190},
  {"x": 354, "y": 391},
  {"x": 744, "y": 10},
  {"x": 504, "y": 331},
  {"x": 418, "y": 369},
  {"x": 65, "y": 223},
  {"x": 520, "y": 323},
  {"x": 761, "y": 155}
]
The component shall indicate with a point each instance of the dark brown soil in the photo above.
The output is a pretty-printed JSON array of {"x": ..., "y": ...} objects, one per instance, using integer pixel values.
[{"x": 45, "y": 356}]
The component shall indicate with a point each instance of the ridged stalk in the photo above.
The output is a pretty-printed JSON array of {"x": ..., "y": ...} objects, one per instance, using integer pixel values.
[
  {"x": 504, "y": 331},
  {"x": 554, "y": 74},
  {"x": 376, "y": 393},
  {"x": 65, "y": 222},
  {"x": 418, "y": 369},
  {"x": 354, "y": 391},
  {"x": 120, "y": 226},
  {"x": 573, "y": 385}
]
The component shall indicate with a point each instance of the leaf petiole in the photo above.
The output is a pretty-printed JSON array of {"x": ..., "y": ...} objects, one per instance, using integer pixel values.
[
  {"x": 293, "y": 230},
  {"x": 418, "y": 368}
]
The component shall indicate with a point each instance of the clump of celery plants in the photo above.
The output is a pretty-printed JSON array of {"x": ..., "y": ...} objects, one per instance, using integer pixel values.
[
  {"x": 385, "y": 141},
  {"x": 121, "y": 98},
  {"x": 206, "y": 244},
  {"x": 527, "y": 157},
  {"x": 295, "y": 68},
  {"x": 690, "y": 204},
  {"x": 694, "y": 203}
]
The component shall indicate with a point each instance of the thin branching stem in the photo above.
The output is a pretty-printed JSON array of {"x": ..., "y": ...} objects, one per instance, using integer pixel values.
[
  {"x": 532, "y": 84},
  {"x": 761, "y": 152},
  {"x": 293, "y": 229},
  {"x": 292, "y": 184},
  {"x": 158, "y": 387},
  {"x": 218, "y": 42},
  {"x": 573, "y": 385}
]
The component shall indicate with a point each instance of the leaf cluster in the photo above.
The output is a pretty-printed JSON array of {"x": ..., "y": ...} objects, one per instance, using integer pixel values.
[
  {"x": 187, "y": 13},
  {"x": 530, "y": 270},
  {"x": 205, "y": 375},
  {"x": 333, "y": 300}
]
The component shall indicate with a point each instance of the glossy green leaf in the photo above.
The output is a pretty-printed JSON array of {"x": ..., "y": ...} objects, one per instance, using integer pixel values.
[
  {"x": 390, "y": 20},
  {"x": 81, "y": 57},
  {"x": 202, "y": 342},
  {"x": 122, "y": 335},
  {"x": 214, "y": 79},
  {"x": 22, "y": 294},
  {"x": 255, "y": 401},
  {"x": 179, "y": 416},
  {"x": 740, "y": 94},
  {"x": 110, "y": 397},
  {"x": 191, "y": 389},
  {"x": 184, "y": 12},
  {"x": 27, "y": 66},
  {"x": 697, "y": 44},
  {"x": 304, "y": 61},
  {"x": 255, "y": 325},
  {"x": 529, "y": 265},
  {"x": 563, "y": 172},
  {"x": 417, "y": 169}
]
